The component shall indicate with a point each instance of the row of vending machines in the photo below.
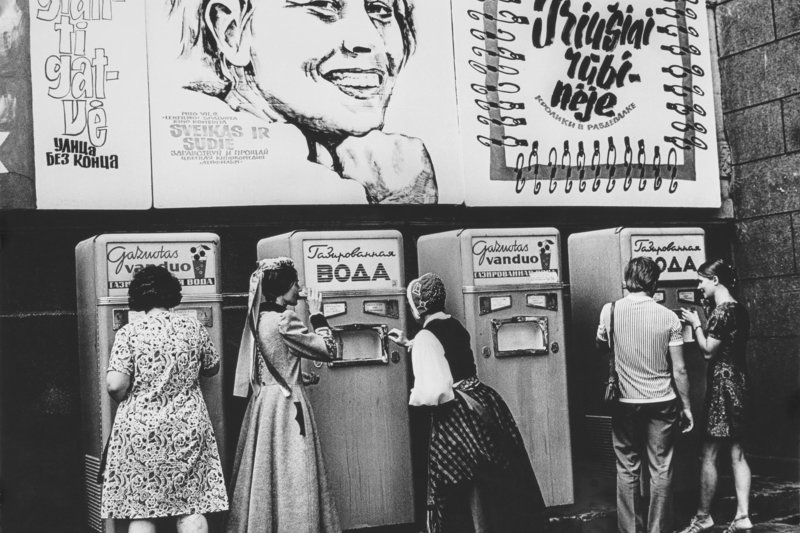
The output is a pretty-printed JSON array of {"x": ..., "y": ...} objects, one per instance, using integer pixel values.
[{"x": 507, "y": 286}]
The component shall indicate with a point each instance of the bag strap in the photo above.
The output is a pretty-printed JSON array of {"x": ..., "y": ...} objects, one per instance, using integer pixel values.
[{"x": 612, "y": 367}]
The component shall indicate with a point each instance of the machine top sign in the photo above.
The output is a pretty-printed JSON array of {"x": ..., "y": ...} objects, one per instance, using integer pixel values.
[
  {"x": 677, "y": 255},
  {"x": 515, "y": 259},
  {"x": 193, "y": 263},
  {"x": 352, "y": 264}
]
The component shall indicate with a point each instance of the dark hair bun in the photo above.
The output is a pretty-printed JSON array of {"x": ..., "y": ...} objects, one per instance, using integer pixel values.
[{"x": 153, "y": 286}]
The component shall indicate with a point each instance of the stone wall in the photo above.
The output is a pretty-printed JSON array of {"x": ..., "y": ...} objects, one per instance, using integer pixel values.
[{"x": 759, "y": 60}]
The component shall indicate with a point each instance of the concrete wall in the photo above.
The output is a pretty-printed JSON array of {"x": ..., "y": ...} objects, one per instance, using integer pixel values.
[{"x": 759, "y": 60}]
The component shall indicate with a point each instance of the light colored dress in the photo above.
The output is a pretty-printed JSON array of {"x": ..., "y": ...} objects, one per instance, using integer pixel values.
[
  {"x": 162, "y": 456},
  {"x": 279, "y": 480}
]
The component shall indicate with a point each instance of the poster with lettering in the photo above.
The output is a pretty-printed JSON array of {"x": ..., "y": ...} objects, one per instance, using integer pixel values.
[
  {"x": 586, "y": 102},
  {"x": 263, "y": 103},
  {"x": 510, "y": 260},
  {"x": 89, "y": 83},
  {"x": 352, "y": 264},
  {"x": 678, "y": 256},
  {"x": 193, "y": 263}
]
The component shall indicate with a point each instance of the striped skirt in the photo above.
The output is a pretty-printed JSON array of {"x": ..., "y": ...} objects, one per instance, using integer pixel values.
[{"x": 474, "y": 440}]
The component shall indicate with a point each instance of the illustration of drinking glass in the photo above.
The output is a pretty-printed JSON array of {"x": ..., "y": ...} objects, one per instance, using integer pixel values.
[
  {"x": 544, "y": 253},
  {"x": 199, "y": 260}
]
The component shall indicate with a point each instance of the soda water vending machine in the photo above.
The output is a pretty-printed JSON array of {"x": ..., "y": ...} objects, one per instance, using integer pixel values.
[
  {"x": 597, "y": 264},
  {"x": 505, "y": 286},
  {"x": 361, "y": 401},
  {"x": 105, "y": 265}
]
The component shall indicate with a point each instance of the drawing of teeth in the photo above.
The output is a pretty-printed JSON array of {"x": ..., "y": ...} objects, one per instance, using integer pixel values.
[
  {"x": 199, "y": 260},
  {"x": 544, "y": 253}
]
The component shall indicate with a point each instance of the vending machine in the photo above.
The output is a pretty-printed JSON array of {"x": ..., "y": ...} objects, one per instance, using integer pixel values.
[
  {"x": 105, "y": 265},
  {"x": 361, "y": 401},
  {"x": 597, "y": 262},
  {"x": 505, "y": 286}
]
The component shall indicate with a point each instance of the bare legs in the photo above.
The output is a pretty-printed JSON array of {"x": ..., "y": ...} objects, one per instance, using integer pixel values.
[
  {"x": 709, "y": 477},
  {"x": 741, "y": 479},
  {"x": 141, "y": 526},
  {"x": 195, "y": 523}
]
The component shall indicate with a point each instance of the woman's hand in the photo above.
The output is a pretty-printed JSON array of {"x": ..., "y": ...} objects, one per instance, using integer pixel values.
[
  {"x": 691, "y": 316},
  {"x": 398, "y": 336},
  {"x": 314, "y": 300},
  {"x": 393, "y": 168}
]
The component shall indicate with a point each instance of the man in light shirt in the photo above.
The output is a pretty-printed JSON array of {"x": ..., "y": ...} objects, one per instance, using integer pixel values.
[{"x": 646, "y": 421}]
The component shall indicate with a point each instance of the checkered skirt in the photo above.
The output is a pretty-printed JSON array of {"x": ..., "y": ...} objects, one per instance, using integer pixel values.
[{"x": 475, "y": 439}]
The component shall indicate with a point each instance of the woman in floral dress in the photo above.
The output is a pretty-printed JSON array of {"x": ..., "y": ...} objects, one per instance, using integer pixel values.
[
  {"x": 722, "y": 343},
  {"x": 162, "y": 457},
  {"x": 279, "y": 482}
]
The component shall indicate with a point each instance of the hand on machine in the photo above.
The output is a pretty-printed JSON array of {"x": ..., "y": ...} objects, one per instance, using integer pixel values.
[{"x": 398, "y": 336}]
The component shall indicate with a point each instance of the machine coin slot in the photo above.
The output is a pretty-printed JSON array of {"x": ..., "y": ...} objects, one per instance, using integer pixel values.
[
  {"x": 659, "y": 297},
  {"x": 490, "y": 304},
  {"x": 332, "y": 309},
  {"x": 361, "y": 344},
  {"x": 387, "y": 308},
  {"x": 689, "y": 296},
  {"x": 547, "y": 301},
  {"x": 520, "y": 335}
]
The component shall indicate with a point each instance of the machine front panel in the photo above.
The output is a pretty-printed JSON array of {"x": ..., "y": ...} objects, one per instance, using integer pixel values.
[
  {"x": 678, "y": 254},
  {"x": 519, "y": 352}
]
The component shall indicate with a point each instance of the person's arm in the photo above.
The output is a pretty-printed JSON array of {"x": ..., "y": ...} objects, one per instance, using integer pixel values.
[
  {"x": 120, "y": 366},
  {"x": 433, "y": 381},
  {"x": 708, "y": 345},
  {"x": 681, "y": 377},
  {"x": 601, "y": 339},
  {"x": 208, "y": 354},
  {"x": 118, "y": 385}
]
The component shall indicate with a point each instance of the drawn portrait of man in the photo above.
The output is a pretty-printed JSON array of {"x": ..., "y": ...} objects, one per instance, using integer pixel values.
[{"x": 326, "y": 68}]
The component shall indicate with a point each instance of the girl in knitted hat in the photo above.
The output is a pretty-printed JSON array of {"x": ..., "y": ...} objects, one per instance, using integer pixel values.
[{"x": 479, "y": 474}]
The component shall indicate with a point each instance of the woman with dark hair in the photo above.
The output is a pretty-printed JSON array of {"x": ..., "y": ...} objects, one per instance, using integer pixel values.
[
  {"x": 479, "y": 474},
  {"x": 162, "y": 459},
  {"x": 279, "y": 481},
  {"x": 722, "y": 343}
]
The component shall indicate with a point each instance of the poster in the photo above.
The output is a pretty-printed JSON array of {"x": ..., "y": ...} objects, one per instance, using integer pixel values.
[
  {"x": 262, "y": 103},
  {"x": 89, "y": 84},
  {"x": 594, "y": 102}
]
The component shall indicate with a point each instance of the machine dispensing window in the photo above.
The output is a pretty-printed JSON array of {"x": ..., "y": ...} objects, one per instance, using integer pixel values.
[
  {"x": 690, "y": 296},
  {"x": 520, "y": 335},
  {"x": 361, "y": 344},
  {"x": 659, "y": 297}
]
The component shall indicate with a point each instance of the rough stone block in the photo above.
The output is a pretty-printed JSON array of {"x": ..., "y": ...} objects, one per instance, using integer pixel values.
[
  {"x": 774, "y": 305},
  {"x": 767, "y": 186},
  {"x": 773, "y": 365},
  {"x": 795, "y": 230},
  {"x": 743, "y": 24},
  {"x": 762, "y": 74},
  {"x": 791, "y": 121},
  {"x": 787, "y": 17},
  {"x": 755, "y": 133},
  {"x": 764, "y": 247}
]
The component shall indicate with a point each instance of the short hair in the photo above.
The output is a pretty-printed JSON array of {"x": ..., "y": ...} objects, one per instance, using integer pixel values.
[
  {"x": 276, "y": 282},
  {"x": 641, "y": 275},
  {"x": 153, "y": 286},
  {"x": 724, "y": 271},
  {"x": 195, "y": 33}
]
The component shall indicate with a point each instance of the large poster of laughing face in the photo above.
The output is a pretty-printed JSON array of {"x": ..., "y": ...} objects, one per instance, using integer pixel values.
[{"x": 302, "y": 102}]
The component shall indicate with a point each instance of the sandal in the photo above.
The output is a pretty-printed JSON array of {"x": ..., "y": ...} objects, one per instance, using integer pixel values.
[
  {"x": 740, "y": 523},
  {"x": 699, "y": 524}
]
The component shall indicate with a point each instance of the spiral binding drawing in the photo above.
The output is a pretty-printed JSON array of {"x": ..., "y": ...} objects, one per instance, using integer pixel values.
[{"x": 638, "y": 167}]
